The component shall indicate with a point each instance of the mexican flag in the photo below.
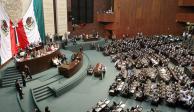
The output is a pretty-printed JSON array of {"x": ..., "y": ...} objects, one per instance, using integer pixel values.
[
  {"x": 7, "y": 37},
  {"x": 30, "y": 28}
]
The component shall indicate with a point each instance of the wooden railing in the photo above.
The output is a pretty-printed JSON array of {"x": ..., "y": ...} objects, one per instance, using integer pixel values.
[
  {"x": 185, "y": 2},
  {"x": 109, "y": 26},
  {"x": 185, "y": 17},
  {"x": 104, "y": 17}
]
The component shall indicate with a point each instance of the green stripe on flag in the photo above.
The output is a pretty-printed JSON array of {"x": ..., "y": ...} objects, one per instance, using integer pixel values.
[{"x": 38, "y": 12}]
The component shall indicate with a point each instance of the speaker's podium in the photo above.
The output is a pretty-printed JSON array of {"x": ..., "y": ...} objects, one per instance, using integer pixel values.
[{"x": 69, "y": 69}]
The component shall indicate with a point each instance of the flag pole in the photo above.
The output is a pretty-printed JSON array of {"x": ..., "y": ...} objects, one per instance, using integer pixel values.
[{"x": 15, "y": 31}]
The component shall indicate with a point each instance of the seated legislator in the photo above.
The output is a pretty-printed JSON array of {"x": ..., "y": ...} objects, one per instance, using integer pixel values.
[
  {"x": 56, "y": 62},
  {"x": 73, "y": 56},
  {"x": 35, "y": 52},
  {"x": 63, "y": 58},
  {"x": 91, "y": 37}
]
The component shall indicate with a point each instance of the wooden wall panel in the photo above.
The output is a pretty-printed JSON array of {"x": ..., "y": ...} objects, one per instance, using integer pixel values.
[
  {"x": 99, "y": 5},
  {"x": 149, "y": 16},
  {"x": 186, "y": 3},
  {"x": 132, "y": 16}
]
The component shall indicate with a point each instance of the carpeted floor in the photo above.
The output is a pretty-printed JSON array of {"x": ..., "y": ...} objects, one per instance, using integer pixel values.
[{"x": 8, "y": 100}]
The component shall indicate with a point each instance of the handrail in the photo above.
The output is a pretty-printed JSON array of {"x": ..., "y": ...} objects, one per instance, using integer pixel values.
[{"x": 35, "y": 103}]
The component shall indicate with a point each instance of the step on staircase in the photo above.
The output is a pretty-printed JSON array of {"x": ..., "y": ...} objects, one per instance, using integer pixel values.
[
  {"x": 41, "y": 93},
  {"x": 9, "y": 76}
]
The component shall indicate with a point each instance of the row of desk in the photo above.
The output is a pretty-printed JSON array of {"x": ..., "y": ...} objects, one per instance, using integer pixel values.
[{"x": 189, "y": 71}]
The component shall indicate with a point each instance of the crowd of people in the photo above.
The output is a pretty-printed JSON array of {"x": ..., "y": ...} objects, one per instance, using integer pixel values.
[
  {"x": 105, "y": 106},
  {"x": 180, "y": 54},
  {"x": 35, "y": 50},
  {"x": 151, "y": 68},
  {"x": 85, "y": 36},
  {"x": 109, "y": 11},
  {"x": 50, "y": 38},
  {"x": 58, "y": 60}
]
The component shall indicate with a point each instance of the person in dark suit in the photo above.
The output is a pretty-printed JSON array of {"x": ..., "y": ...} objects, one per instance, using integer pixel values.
[
  {"x": 27, "y": 71},
  {"x": 73, "y": 56},
  {"x": 47, "y": 109},
  {"x": 23, "y": 75},
  {"x": 19, "y": 88},
  {"x": 81, "y": 49},
  {"x": 63, "y": 58},
  {"x": 103, "y": 70}
]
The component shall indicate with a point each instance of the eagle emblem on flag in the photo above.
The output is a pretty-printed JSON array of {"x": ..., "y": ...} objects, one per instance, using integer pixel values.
[
  {"x": 29, "y": 23},
  {"x": 4, "y": 27}
]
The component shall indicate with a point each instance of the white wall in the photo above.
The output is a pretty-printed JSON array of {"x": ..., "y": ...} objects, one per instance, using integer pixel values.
[
  {"x": 48, "y": 16},
  {"x": 62, "y": 16}
]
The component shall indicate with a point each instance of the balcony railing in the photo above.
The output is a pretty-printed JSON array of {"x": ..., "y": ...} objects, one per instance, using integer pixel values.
[
  {"x": 185, "y": 17},
  {"x": 105, "y": 17},
  {"x": 186, "y": 2}
]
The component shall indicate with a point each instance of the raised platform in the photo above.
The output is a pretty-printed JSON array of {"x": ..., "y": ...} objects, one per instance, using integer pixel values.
[
  {"x": 87, "y": 92},
  {"x": 38, "y": 64},
  {"x": 60, "y": 86},
  {"x": 69, "y": 69}
]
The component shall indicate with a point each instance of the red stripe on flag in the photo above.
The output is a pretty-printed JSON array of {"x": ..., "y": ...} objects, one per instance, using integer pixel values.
[
  {"x": 14, "y": 47},
  {"x": 22, "y": 38}
]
